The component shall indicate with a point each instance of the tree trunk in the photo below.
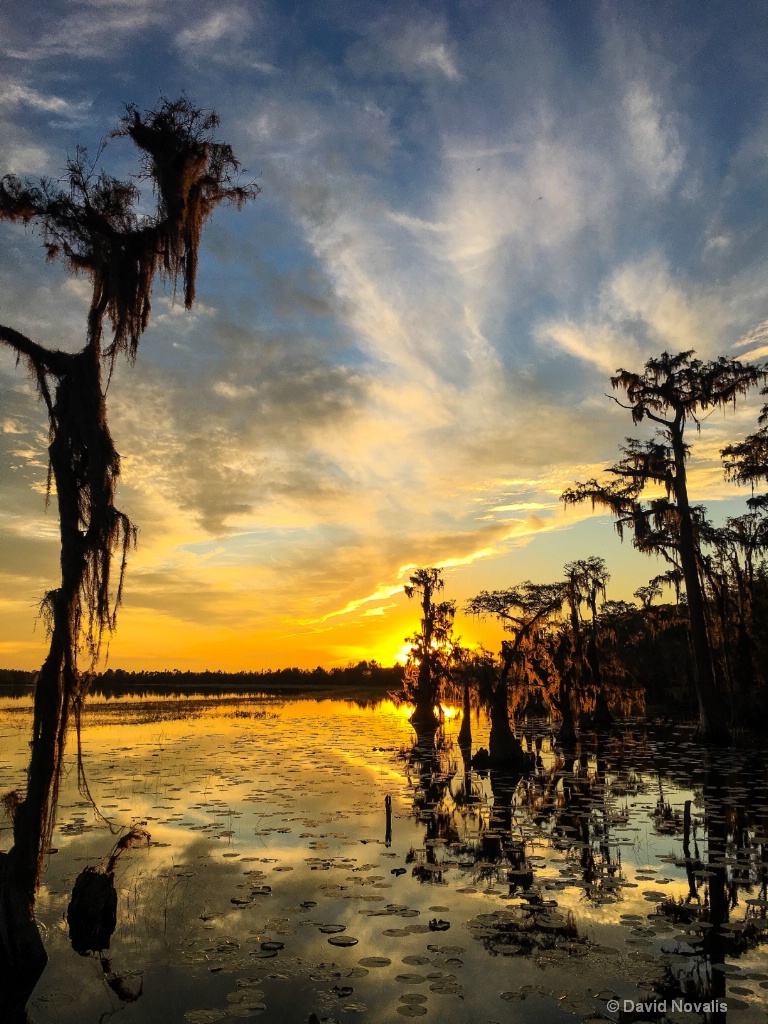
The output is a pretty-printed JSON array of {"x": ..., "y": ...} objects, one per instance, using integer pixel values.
[
  {"x": 504, "y": 748},
  {"x": 567, "y": 731},
  {"x": 601, "y": 717},
  {"x": 423, "y": 719},
  {"x": 33, "y": 819},
  {"x": 712, "y": 727},
  {"x": 57, "y": 684},
  {"x": 22, "y": 954},
  {"x": 465, "y": 732}
]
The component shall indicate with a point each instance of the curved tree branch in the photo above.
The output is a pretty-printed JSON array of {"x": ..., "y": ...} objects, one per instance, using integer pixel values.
[{"x": 52, "y": 361}]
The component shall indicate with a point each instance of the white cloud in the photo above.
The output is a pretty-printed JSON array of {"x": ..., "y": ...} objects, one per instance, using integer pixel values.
[
  {"x": 227, "y": 23},
  {"x": 13, "y": 94},
  {"x": 224, "y": 37},
  {"x": 678, "y": 314},
  {"x": 755, "y": 341},
  {"x": 23, "y": 158},
  {"x": 83, "y": 32},
  {"x": 416, "y": 224},
  {"x": 410, "y": 42},
  {"x": 435, "y": 55},
  {"x": 643, "y": 309},
  {"x": 717, "y": 243},
  {"x": 655, "y": 147},
  {"x": 600, "y": 344},
  {"x": 227, "y": 390}
]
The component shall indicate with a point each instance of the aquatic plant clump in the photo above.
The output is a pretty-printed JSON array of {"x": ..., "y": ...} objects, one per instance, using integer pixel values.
[{"x": 528, "y": 930}]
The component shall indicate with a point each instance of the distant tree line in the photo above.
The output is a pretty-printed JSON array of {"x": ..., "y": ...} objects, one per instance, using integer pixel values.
[{"x": 119, "y": 682}]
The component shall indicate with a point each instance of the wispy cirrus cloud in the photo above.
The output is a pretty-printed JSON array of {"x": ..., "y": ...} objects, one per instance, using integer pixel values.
[
  {"x": 89, "y": 29},
  {"x": 228, "y": 22},
  {"x": 655, "y": 147},
  {"x": 408, "y": 41},
  {"x": 17, "y": 94},
  {"x": 227, "y": 34},
  {"x": 469, "y": 219},
  {"x": 644, "y": 308}
]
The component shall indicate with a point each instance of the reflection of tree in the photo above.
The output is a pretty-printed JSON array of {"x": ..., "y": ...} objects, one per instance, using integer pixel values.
[
  {"x": 734, "y": 867},
  {"x": 536, "y": 926},
  {"x": 94, "y": 225},
  {"x": 571, "y": 805},
  {"x": 461, "y": 826},
  {"x": 665, "y": 817},
  {"x": 92, "y": 915},
  {"x": 574, "y": 805},
  {"x": 430, "y": 772},
  {"x": 487, "y": 828}
]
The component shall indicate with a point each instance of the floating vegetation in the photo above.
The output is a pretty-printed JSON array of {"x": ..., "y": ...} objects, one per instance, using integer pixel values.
[{"x": 526, "y": 930}]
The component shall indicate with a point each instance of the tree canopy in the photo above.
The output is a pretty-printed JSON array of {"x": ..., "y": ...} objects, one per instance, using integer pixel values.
[{"x": 672, "y": 391}]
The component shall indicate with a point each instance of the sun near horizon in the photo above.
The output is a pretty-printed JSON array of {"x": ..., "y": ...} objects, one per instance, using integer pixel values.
[{"x": 399, "y": 354}]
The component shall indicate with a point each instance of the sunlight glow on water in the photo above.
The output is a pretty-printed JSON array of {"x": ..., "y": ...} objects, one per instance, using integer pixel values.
[{"x": 529, "y": 899}]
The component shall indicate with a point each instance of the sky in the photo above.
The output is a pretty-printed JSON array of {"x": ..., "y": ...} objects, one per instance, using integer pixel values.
[{"x": 471, "y": 214}]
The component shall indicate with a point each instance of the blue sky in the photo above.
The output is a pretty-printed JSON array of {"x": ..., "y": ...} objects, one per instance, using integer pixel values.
[{"x": 471, "y": 214}]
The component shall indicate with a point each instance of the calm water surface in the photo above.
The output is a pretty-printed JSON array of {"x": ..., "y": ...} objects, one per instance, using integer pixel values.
[{"x": 276, "y": 885}]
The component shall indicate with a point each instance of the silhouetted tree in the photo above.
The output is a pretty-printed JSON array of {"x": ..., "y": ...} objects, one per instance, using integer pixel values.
[
  {"x": 432, "y": 650},
  {"x": 730, "y": 564},
  {"x": 746, "y": 461},
  {"x": 671, "y": 391},
  {"x": 526, "y": 612},
  {"x": 92, "y": 222},
  {"x": 586, "y": 580}
]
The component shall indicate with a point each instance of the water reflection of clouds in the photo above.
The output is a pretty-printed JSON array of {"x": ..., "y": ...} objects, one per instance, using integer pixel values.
[{"x": 321, "y": 770}]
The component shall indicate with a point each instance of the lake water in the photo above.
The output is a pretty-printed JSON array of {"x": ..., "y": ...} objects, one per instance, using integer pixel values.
[{"x": 276, "y": 884}]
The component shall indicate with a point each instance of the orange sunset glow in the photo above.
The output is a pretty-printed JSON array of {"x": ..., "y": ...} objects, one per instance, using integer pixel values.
[
  {"x": 383, "y": 512},
  {"x": 399, "y": 352}
]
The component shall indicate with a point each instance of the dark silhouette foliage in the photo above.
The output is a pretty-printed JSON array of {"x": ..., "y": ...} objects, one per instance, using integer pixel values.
[
  {"x": 433, "y": 651},
  {"x": 92, "y": 222},
  {"x": 671, "y": 392}
]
